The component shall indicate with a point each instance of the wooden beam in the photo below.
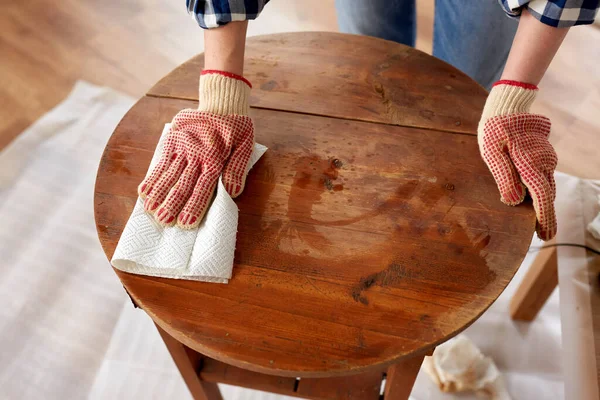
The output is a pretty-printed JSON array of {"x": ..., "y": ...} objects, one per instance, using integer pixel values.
[
  {"x": 189, "y": 363},
  {"x": 537, "y": 285},
  {"x": 401, "y": 378}
]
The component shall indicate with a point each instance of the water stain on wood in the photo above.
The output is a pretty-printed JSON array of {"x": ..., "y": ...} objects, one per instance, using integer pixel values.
[{"x": 389, "y": 276}]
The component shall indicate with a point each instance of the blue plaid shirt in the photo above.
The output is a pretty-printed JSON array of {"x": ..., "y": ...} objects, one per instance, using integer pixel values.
[
  {"x": 214, "y": 13},
  {"x": 558, "y": 13}
]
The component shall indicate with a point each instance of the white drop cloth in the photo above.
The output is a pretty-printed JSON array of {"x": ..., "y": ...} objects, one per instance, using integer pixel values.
[
  {"x": 60, "y": 298},
  {"x": 576, "y": 207}
]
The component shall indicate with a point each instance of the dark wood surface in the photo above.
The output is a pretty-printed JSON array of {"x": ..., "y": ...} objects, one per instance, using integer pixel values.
[
  {"x": 343, "y": 76},
  {"x": 359, "y": 244}
]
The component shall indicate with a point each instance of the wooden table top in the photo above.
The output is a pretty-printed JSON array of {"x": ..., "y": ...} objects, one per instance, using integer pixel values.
[{"x": 370, "y": 230}]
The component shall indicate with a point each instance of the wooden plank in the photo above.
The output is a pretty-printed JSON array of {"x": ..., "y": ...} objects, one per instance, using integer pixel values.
[
  {"x": 537, "y": 285},
  {"x": 347, "y": 76},
  {"x": 365, "y": 386},
  {"x": 409, "y": 249},
  {"x": 216, "y": 371},
  {"x": 188, "y": 362}
]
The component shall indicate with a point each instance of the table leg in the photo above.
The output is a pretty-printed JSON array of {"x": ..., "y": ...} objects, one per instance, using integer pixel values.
[
  {"x": 537, "y": 285},
  {"x": 188, "y": 362},
  {"x": 401, "y": 378}
]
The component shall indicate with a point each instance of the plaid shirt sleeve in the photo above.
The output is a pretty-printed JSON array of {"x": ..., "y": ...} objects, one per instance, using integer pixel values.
[
  {"x": 214, "y": 13},
  {"x": 557, "y": 13}
]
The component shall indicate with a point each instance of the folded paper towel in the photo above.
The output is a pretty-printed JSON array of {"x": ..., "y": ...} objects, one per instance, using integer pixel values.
[{"x": 202, "y": 254}]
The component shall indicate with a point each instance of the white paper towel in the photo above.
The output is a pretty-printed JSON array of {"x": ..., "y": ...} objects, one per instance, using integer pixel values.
[{"x": 202, "y": 254}]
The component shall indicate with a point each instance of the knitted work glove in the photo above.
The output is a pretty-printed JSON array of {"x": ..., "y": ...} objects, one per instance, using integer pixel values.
[
  {"x": 514, "y": 145},
  {"x": 201, "y": 145}
]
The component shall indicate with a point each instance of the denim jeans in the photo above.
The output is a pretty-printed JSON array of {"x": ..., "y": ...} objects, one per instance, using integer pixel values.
[{"x": 473, "y": 35}]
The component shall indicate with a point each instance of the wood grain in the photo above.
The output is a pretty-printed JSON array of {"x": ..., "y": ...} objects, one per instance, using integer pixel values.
[
  {"x": 383, "y": 241},
  {"x": 346, "y": 76}
]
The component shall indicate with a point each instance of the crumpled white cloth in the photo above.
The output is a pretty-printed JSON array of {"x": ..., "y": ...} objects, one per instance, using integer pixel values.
[
  {"x": 459, "y": 366},
  {"x": 594, "y": 226},
  {"x": 202, "y": 254}
]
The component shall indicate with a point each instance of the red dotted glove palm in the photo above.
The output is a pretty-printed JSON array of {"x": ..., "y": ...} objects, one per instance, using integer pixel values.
[
  {"x": 515, "y": 147},
  {"x": 201, "y": 146}
]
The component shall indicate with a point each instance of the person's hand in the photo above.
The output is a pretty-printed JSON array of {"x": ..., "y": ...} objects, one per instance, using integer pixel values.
[
  {"x": 514, "y": 145},
  {"x": 201, "y": 145}
]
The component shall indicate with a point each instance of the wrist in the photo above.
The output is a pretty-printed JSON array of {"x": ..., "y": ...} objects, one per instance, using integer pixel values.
[
  {"x": 224, "y": 47},
  {"x": 223, "y": 93}
]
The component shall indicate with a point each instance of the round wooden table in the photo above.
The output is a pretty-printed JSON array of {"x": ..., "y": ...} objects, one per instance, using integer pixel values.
[{"x": 369, "y": 232}]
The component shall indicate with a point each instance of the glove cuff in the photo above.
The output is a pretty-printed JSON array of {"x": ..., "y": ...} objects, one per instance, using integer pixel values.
[
  {"x": 509, "y": 97},
  {"x": 223, "y": 93},
  {"x": 506, "y": 97}
]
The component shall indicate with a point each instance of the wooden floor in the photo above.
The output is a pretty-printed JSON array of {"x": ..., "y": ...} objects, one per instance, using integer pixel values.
[{"x": 129, "y": 45}]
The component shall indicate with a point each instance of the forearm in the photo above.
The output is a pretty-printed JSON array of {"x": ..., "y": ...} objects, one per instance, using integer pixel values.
[
  {"x": 533, "y": 48},
  {"x": 224, "y": 47}
]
